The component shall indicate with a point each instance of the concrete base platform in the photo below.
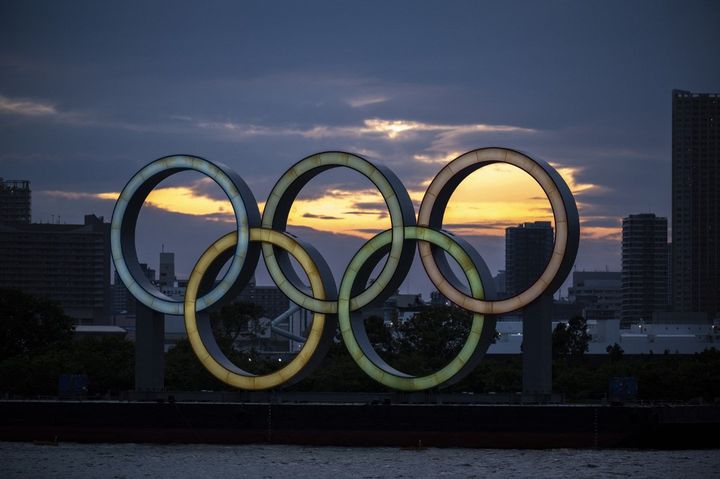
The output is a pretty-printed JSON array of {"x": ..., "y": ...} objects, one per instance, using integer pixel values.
[{"x": 406, "y": 425}]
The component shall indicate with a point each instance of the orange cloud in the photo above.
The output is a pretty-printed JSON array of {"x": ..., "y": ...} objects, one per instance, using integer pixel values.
[
  {"x": 175, "y": 199},
  {"x": 485, "y": 203}
]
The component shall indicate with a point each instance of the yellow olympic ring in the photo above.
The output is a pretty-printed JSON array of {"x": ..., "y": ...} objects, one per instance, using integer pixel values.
[{"x": 203, "y": 342}]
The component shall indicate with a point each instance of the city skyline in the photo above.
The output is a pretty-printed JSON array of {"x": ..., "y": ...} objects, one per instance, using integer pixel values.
[
  {"x": 418, "y": 228},
  {"x": 592, "y": 108}
]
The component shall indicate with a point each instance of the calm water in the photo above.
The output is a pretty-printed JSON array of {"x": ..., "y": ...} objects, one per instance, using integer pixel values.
[{"x": 207, "y": 461}]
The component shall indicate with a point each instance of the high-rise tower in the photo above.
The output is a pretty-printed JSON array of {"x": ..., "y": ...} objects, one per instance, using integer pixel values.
[
  {"x": 644, "y": 267},
  {"x": 696, "y": 201},
  {"x": 527, "y": 251}
]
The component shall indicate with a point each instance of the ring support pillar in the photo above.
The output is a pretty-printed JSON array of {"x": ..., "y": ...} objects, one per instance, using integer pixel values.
[
  {"x": 149, "y": 349},
  {"x": 537, "y": 348}
]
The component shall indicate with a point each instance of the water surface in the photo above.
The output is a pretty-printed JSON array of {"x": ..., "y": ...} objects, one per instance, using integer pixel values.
[{"x": 26, "y": 460}]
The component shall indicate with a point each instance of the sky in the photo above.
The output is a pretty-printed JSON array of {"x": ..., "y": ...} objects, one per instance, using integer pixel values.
[{"x": 92, "y": 91}]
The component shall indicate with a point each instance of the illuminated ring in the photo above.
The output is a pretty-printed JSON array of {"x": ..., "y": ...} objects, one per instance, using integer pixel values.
[
  {"x": 277, "y": 210},
  {"x": 124, "y": 221},
  {"x": 567, "y": 227},
  {"x": 200, "y": 332},
  {"x": 355, "y": 335}
]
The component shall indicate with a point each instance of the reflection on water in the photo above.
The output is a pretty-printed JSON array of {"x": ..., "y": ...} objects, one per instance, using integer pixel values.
[{"x": 260, "y": 461}]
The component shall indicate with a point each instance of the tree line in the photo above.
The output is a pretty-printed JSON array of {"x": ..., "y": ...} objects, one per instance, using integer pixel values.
[{"x": 37, "y": 346}]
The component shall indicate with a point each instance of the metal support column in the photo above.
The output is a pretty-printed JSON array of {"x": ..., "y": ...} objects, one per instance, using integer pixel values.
[
  {"x": 149, "y": 349},
  {"x": 537, "y": 348}
]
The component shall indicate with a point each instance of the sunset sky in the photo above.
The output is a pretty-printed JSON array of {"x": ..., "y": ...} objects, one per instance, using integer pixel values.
[{"x": 92, "y": 91}]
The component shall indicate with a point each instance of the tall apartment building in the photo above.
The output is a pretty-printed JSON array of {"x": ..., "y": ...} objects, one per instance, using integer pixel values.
[
  {"x": 15, "y": 201},
  {"x": 69, "y": 264},
  {"x": 527, "y": 251},
  {"x": 696, "y": 202},
  {"x": 644, "y": 267}
]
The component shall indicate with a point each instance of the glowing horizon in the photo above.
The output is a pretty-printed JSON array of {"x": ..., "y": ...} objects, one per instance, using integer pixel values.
[{"x": 484, "y": 204}]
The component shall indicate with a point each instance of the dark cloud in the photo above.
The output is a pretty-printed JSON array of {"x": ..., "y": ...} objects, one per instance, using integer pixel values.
[
  {"x": 90, "y": 92},
  {"x": 379, "y": 214},
  {"x": 321, "y": 217},
  {"x": 371, "y": 207},
  {"x": 488, "y": 226}
]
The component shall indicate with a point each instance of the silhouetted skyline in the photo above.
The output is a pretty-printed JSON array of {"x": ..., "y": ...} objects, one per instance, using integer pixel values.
[{"x": 91, "y": 92}]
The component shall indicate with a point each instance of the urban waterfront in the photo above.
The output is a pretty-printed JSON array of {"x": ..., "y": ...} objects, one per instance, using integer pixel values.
[
  {"x": 262, "y": 461},
  {"x": 415, "y": 239}
]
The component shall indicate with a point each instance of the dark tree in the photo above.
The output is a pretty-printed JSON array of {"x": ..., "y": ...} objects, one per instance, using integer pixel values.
[
  {"x": 108, "y": 362},
  {"x": 615, "y": 352},
  {"x": 235, "y": 319},
  {"x": 36, "y": 347},
  {"x": 30, "y": 325},
  {"x": 560, "y": 341},
  {"x": 380, "y": 336},
  {"x": 578, "y": 336},
  {"x": 185, "y": 372},
  {"x": 233, "y": 325},
  {"x": 238, "y": 322},
  {"x": 571, "y": 339},
  {"x": 429, "y": 340}
]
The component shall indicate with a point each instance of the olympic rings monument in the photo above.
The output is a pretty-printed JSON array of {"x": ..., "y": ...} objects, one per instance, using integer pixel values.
[{"x": 334, "y": 306}]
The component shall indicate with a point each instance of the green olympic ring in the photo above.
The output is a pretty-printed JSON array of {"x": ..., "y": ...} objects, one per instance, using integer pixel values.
[{"x": 355, "y": 336}]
